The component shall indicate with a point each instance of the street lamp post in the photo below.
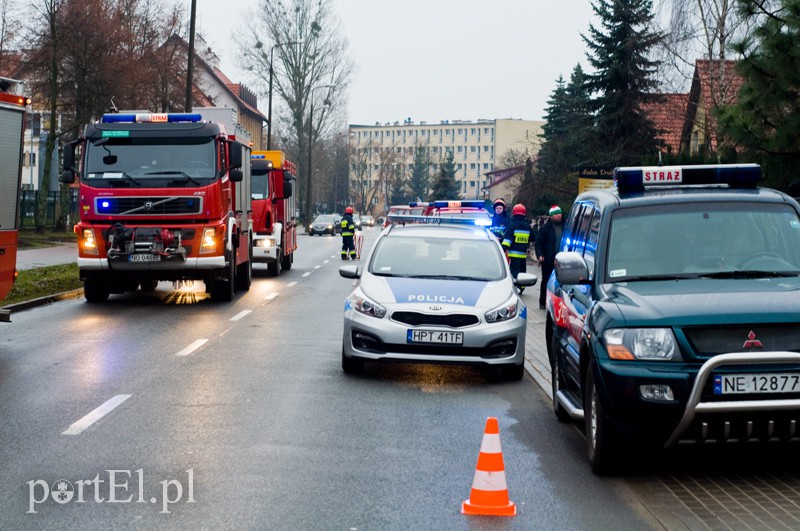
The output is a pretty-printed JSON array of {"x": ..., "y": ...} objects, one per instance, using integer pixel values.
[
  {"x": 307, "y": 212},
  {"x": 269, "y": 98}
]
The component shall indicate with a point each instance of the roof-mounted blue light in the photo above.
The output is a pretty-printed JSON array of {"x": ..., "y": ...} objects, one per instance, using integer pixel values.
[
  {"x": 151, "y": 118},
  {"x": 473, "y": 203},
  {"x": 437, "y": 220},
  {"x": 636, "y": 179}
]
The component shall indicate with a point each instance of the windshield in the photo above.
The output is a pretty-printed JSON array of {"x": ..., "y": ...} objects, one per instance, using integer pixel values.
[
  {"x": 328, "y": 218},
  {"x": 698, "y": 240},
  {"x": 150, "y": 161},
  {"x": 438, "y": 258},
  {"x": 260, "y": 184}
]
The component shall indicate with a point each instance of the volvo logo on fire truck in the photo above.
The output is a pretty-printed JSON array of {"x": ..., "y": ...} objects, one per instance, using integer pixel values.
[{"x": 148, "y": 205}]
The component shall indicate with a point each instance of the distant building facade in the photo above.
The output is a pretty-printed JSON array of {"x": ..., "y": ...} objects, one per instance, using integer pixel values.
[{"x": 476, "y": 147}]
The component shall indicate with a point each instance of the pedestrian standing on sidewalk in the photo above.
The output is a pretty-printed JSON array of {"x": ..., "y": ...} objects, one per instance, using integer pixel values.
[
  {"x": 547, "y": 242},
  {"x": 516, "y": 240},
  {"x": 348, "y": 231}
]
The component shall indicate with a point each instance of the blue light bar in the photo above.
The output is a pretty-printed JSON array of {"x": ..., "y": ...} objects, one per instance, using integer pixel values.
[
  {"x": 437, "y": 220},
  {"x": 636, "y": 179},
  {"x": 475, "y": 203},
  {"x": 151, "y": 118},
  {"x": 413, "y": 204}
]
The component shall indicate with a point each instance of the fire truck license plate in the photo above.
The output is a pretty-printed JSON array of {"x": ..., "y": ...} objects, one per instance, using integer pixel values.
[
  {"x": 144, "y": 257},
  {"x": 435, "y": 336},
  {"x": 756, "y": 383}
]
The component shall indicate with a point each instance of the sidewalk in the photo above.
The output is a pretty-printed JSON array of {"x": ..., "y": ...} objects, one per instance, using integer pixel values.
[{"x": 536, "y": 360}]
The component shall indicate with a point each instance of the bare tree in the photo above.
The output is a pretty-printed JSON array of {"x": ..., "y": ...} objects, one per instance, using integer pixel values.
[
  {"x": 10, "y": 27},
  {"x": 305, "y": 41}
]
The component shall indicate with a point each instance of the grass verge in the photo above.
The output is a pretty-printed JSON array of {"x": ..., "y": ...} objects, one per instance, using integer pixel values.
[{"x": 42, "y": 281}]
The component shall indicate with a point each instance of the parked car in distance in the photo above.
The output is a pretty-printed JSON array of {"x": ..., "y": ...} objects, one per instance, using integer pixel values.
[
  {"x": 325, "y": 224},
  {"x": 368, "y": 221},
  {"x": 435, "y": 293}
]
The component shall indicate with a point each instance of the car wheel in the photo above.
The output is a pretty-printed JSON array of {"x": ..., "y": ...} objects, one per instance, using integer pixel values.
[
  {"x": 514, "y": 372},
  {"x": 244, "y": 272},
  {"x": 602, "y": 441},
  {"x": 352, "y": 365},
  {"x": 558, "y": 384}
]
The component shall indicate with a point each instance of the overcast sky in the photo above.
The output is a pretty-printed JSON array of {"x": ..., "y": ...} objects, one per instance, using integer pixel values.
[{"x": 438, "y": 60}]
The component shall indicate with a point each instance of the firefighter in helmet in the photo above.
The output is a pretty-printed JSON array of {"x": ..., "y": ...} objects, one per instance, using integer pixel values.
[
  {"x": 517, "y": 239},
  {"x": 348, "y": 231},
  {"x": 500, "y": 218}
]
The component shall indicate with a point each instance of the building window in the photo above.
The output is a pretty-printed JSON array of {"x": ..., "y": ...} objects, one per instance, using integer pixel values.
[
  {"x": 472, "y": 131},
  {"x": 460, "y": 148},
  {"x": 472, "y": 149},
  {"x": 486, "y": 148},
  {"x": 485, "y": 166},
  {"x": 472, "y": 184},
  {"x": 472, "y": 165}
]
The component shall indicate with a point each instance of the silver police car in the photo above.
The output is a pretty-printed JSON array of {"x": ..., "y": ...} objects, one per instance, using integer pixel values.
[{"x": 435, "y": 293}]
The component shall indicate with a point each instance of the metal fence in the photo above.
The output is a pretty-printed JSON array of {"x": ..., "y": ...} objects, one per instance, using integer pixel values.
[{"x": 27, "y": 209}]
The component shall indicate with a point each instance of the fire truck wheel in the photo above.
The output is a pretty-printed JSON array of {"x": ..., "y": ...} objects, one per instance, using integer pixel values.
[
  {"x": 95, "y": 289},
  {"x": 244, "y": 273},
  {"x": 221, "y": 287},
  {"x": 274, "y": 268},
  {"x": 286, "y": 261},
  {"x": 148, "y": 286}
]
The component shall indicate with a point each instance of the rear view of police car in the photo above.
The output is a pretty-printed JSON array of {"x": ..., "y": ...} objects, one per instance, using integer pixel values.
[
  {"x": 435, "y": 293},
  {"x": 674, "y": 312}
]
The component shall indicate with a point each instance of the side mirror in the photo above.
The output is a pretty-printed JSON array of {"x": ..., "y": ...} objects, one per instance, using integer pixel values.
[
  {"x": 287, "y": 187},
  {"x": 526, "y": 279},
  {"x": 235, "y": 155},
  {"x": 571, "y": 269},
  {"x": 349, "y": 271},
  {"x": 236, "y": 175},
  {"x": 68, "y": 177}
]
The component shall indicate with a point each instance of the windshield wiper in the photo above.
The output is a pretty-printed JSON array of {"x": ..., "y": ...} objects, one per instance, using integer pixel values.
[
  {"x": 185, "y": 176},
  {"x": 750, "y": 274},
  {"x": 677, "y": 276},
  {"x": 121, "y": 174}
]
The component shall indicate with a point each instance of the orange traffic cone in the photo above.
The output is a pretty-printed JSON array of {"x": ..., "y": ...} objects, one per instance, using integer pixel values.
[{"x": 489, "y": 494}]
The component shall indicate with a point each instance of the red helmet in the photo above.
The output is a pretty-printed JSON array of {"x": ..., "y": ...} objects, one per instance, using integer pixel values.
[
  {"x": 519, "y": 210},
  {"x": 348, "y": 210}
]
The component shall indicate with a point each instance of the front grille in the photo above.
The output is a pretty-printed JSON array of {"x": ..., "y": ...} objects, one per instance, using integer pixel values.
[
  {"x": 744, "y": 427},
  {"x": 709, "y": 341},
  {"x": 148, "y": 206},
  {"x": 455, "y": 320}
]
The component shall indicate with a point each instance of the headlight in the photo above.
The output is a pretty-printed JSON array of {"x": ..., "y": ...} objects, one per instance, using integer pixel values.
[
  {"x": 330, "y": 226},
  {"x": 89, "y": 243},
  {"x": 208, "y": 244},
  {"x": 503, "y": 313},
  {"x": 366, "y": 306},
  {"x": 650, "y": 344}
]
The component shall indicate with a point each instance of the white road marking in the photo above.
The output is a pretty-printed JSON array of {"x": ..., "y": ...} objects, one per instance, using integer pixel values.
[
  {"x": 272, "y": 295},
  {"x": 191, "y": 348},
  {"x": 317, "y": 267},
  {"x": 94, "y": 416},
  {"x": 325, "y": 261},
  {"x": 240, "y": 315},
  {"x": 306, "y": 274},
  {"x": 290, "y": 284}
]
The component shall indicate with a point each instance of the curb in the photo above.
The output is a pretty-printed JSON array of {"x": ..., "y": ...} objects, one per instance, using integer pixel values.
[{"x": 41, "y": 301}]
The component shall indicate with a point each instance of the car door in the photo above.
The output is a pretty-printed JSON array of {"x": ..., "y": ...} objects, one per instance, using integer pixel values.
[{"x": 580, "y": 236}]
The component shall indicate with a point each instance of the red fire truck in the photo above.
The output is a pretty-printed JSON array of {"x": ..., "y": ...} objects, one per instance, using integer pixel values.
[
  {"x": 275, "y": 225},
  {"x": 161, "y": 197},
  {"x": 12, "y": 132}
]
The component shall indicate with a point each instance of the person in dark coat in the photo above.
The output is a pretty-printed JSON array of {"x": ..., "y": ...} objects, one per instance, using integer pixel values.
[
  {"x": 516, "y": 240},
  {"x": 500, "y": 218},
  {"x": 548, "y": 240},
  {"x": 348, "y": 231}
]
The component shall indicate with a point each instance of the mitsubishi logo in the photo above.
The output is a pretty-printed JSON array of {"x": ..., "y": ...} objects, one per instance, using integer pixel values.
[
  {"x": 752, "y": 342},
  {"x": 148, "y": 205}
]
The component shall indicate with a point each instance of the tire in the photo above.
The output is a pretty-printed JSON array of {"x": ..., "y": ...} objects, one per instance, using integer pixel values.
[
  {"x": 244, "y": 272},
  {"x": 602, "y": 441},
  {"x": 222, "y": 288},
  {"x": 95, "y": 289},
  {"x": 352, "y": 365},
  {"x": 274, "y": 268},
  {"x": 148, "y": 286},
  {"x": 558, "y": 383},
  {"x": 513, "y": 372},
  {"x": 286, "y": 262}
]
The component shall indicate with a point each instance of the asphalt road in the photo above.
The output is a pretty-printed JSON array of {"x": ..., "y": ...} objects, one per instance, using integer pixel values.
[{"x": 239, "y": 416}]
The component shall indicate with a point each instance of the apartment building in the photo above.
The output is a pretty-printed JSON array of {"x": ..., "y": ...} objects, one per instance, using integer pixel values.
[{"x": 476, "y": 147}]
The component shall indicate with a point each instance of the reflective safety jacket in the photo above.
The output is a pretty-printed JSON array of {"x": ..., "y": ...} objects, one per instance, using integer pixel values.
[
  {"x": 348, "y": 226},
  {"x": 517, "y": 237}
]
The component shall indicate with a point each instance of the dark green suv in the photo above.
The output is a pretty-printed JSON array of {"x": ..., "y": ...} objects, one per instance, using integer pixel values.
[{"x": 673, "y": 313}]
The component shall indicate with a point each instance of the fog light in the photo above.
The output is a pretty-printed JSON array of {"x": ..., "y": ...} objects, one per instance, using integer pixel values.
[
  {"x": 208, "y": 242},
  {"x": 658, "y": 392},
  {"x": 89, "y": 243}
]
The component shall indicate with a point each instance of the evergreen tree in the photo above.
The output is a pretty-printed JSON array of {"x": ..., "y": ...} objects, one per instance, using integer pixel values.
[
  {"x": 420, "y": 173},
  {"x": 765, "y": 122},
  {"x": 623, "y": 80},
  {"x": 445, "y": 185}
]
